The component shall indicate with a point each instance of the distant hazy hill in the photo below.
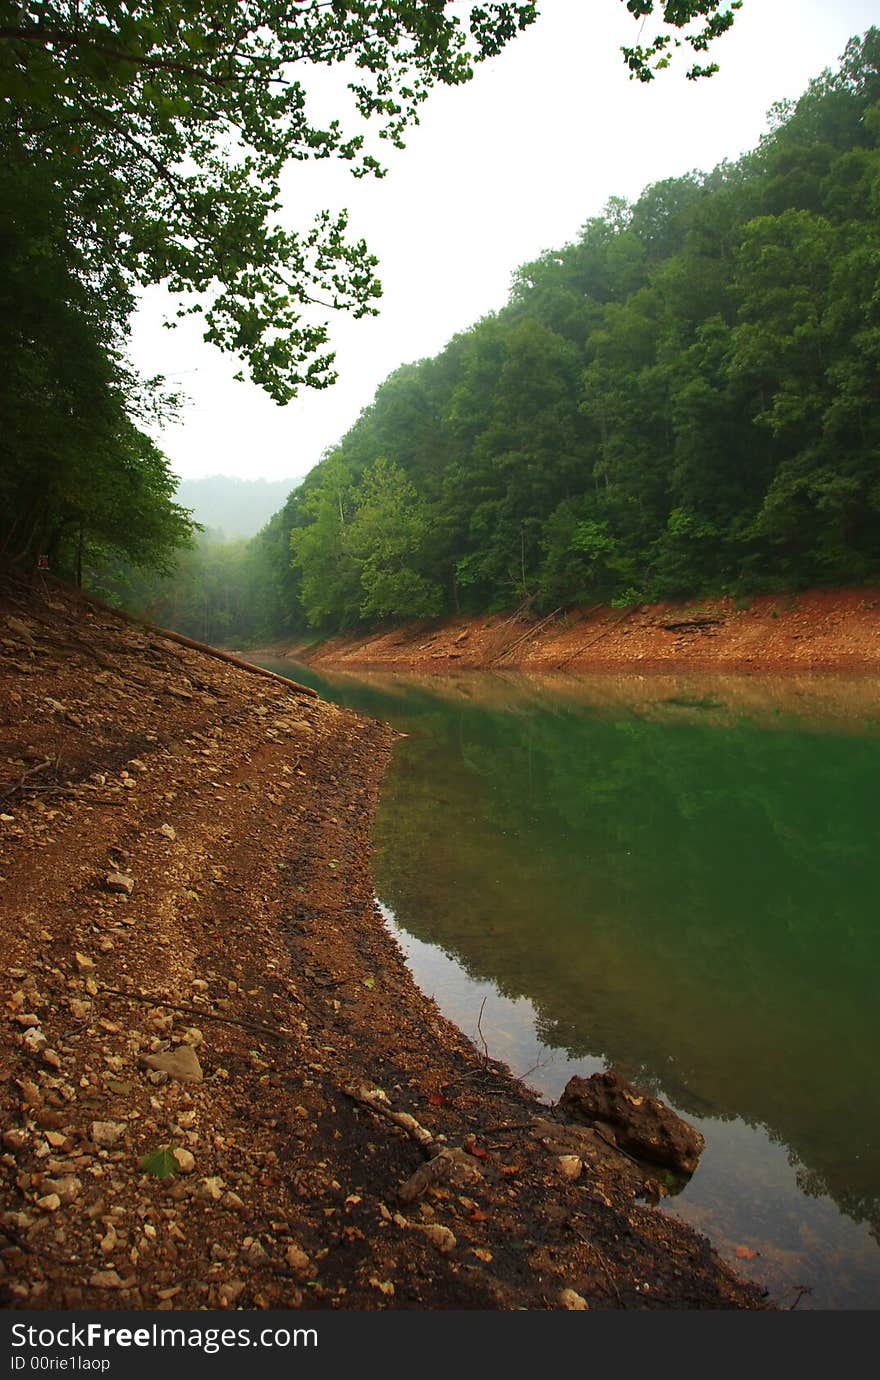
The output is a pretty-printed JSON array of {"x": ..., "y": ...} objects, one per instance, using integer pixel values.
[{"x": 235, "y": 507}]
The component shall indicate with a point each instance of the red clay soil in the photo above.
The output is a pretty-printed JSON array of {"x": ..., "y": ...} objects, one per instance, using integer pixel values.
[
  {"x": 216, "y": 1072},
  {"x": 813, "y": 631}
]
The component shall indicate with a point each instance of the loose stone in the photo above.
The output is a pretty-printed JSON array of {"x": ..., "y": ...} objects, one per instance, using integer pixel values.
[
  {"x": 181, "y": 1064},
  {"x": 573, "y": 1301},
  {"x": 107, "y": 1132},
  {"x": 105, "y": 1279},
  {"x": 119, "y": 883},
  {"x": 571, "y": 1166},
  {"x": 439, "y": 1236},
  {"x": 185, "y": 1161}
]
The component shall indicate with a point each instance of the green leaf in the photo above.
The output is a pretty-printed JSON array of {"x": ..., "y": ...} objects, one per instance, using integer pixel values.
[{"x": 161, "y": 1162}]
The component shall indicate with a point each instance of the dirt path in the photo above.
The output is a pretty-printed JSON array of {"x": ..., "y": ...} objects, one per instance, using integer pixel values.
[
  {"x": 812, "y": 631},
  {"x": 185, "y": 895}
]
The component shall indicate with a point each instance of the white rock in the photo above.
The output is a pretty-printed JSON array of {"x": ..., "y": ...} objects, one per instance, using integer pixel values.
[
  {"x": 105, "y": 1279},
  {"x": 67, "y": 1187},
  {"x": 571, "y": 1166},
  {"x": 230, "y": 1292},
  {"x": 181, "y": 1064},
  {"x": 107, "y": 1132},
  {"x": 574, "y": 1302},
  {"x": 35, "y": 1040},
  {"x": 212, "y": 1188},
  {"x": 185, "y": 1161}
]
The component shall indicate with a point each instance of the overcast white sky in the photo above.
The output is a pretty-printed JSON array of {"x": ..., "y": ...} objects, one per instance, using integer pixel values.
[{"x": 498, "y": 170}]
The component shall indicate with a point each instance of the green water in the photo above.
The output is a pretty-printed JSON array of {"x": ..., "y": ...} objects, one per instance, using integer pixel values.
[{"x": 679, "y": 880}]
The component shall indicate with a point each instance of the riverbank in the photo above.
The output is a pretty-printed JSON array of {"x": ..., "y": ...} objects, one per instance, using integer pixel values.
[
  {"x": 198, "y": 981},
  {"x": 815, "y": 630}
]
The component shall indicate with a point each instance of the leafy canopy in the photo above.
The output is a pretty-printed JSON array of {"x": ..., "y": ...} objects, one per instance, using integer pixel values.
[
  {"x": 703, "y": 20},
  {"x": 166, "y": 125}
]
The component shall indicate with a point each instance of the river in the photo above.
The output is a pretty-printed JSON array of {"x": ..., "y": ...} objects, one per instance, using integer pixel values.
[{"x": 677, "y": 877}]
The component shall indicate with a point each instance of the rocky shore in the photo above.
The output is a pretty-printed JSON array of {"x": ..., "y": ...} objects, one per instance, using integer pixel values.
[
  {"x": 220, "y": 1087},
  {"x": 818, "y": 630}
]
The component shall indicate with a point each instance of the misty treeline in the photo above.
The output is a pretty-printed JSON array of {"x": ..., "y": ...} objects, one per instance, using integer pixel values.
[{"x": 685, "y": 400}]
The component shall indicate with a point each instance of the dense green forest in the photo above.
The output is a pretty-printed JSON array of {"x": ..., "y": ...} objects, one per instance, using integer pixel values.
[{"x": 685, "y": 400}]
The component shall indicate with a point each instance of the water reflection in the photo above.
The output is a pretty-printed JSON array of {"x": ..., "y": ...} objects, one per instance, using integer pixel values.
[{"x": 679, "y": 879}]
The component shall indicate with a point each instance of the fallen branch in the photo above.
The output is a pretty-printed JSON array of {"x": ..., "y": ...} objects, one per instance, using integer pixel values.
[
  {"x": 77, "y": 644},
  {"x": 72, "y": 643},
  {"x": 229, "y": 658},
  {"x": 685, "y": 624},
  {"x": 376, "y": 1101},
  {"x": 179, "y": 638},
  {"x": 801, "y": 1290},
  {"x": 277, "y": 1032},
  {"x": 480, "y": 1029},
  {"x": 31, "y": 771},
  {"x": 535, "y": 628},
  {"x": 38, "y": 1248},
  {"x": 520, "y": 609},
  {"x": 433, "y": 1171},
  {"x": 35, "y": 789},
  {"x": 628, "y": 613},
  {"x": 68, "y": 792},
  {"x": 612, "y": 1145},
  {"x": 100, "y": 799},
  {"x": 442, "y": 1161},
  {"x": 587, "y": 1241}
]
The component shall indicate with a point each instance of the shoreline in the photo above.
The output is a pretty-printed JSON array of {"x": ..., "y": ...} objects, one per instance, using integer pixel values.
[
  {"x": 809, "y": 631},
  {"x": 186, "y": 887}
]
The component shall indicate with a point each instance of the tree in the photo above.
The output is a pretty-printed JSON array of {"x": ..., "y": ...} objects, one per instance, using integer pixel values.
[
  {"x": 645, "y": 60},
  {"x": 683, "y": 401},
  {"x": 77, "y": 475},
  {"x": 167, "y": 124},
  {"x": 387, "y": 539},
  {"x": 330, "y": 577}
]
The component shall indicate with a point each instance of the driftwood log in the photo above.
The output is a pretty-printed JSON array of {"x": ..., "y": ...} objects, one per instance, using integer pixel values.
[
  {"x": 124, "y": 616},
  {"x": 230, "y": 658},
  {"x": 691, "y": 624}
]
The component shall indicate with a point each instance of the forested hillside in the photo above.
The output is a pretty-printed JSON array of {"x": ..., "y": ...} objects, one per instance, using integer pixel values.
[{"x": 684, "y": 400}]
